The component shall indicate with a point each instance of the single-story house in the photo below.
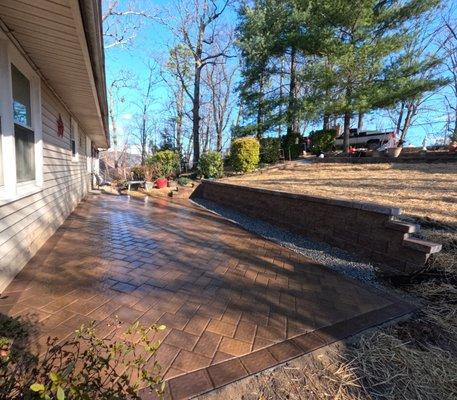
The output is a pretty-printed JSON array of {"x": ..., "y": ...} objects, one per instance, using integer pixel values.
[{"x": 53, "y": 119}]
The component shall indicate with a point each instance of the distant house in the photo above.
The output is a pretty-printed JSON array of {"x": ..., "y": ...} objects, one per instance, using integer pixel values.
[{"x": 53, "y": 119}]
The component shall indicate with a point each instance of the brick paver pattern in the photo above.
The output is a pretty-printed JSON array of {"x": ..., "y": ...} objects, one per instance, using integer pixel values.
[{"x": 221, "y": 291}]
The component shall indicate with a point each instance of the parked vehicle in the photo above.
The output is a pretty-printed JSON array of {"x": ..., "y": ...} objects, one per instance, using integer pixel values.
[{"x": 366, "y": 139}]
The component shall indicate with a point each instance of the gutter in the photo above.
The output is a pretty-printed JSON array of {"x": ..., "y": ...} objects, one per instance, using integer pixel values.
[{"x": 91, "y": 16}]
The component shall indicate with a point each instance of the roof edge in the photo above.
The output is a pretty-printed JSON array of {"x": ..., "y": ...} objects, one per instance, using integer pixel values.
[{"x": 91, "y": 15}]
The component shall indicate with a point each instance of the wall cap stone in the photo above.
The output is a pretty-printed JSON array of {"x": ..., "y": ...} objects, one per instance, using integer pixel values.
[
  {"x": 422, "y": 245},
  {"x": 371, "y": 207}
]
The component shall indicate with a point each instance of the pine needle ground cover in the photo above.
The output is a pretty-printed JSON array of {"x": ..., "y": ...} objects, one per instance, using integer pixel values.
[
  {"x": 414, "y": 359},
  {"x": 422, "y": 190}
]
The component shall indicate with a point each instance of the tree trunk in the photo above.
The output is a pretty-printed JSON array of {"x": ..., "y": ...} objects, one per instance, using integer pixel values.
[
  {"x": 196, "y": 114},
  {"x": 281, "y": 94},
  {"x": 326, "y": 125},
  {"x": 360, "y": 122},
  {"x": 292, "y": 128},
  {"x": 346, "y": 131},
  {"x": 260, "y": 116},
  {"x": 179, "y": 118},
  {"x": 113, "y": 128},
  {"x": 143, "y": 140},
  {"x": 410, "y": 113},
  {"x": 454, "y": 133},
  {"x": 400, "y": 119},
  {"x": 218, "y": 137}
]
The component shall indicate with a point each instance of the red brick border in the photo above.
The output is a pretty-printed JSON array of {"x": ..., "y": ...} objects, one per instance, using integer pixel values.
[{"x": 218, "y": 375}]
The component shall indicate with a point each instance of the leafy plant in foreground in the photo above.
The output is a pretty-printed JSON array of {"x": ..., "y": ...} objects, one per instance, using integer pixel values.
[{"x": 85, "y": 367}]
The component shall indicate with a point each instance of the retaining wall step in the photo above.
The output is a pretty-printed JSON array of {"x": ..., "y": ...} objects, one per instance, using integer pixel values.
[
  {"x": 422, "y": 245},
  {"x": 401, "y": 226}
]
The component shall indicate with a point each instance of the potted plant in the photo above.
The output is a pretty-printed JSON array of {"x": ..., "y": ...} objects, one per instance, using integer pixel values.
[
  {"x": 395, "y": 151},
  {"x": 162, "y": 166},
  {"x": 161, "y": 183},
  {"x": 149, "y": 177}
]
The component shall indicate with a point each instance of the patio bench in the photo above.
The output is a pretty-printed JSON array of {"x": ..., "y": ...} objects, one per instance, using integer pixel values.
[{"x": 134, "y": 183}]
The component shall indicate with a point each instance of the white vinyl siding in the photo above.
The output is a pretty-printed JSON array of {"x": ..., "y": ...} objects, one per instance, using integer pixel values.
[
  {"x": 25, "y": 224},
  {"x": 21, "y": 125}
]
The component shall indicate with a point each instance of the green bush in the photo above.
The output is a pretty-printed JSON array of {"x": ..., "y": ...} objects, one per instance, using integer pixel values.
[
  {"x": 85, "y": 366},
  {"x": 291, "y": 145},
  {"x": 184, "y": 181},
  {"x": 322, "y": 141},
  {"x": 245, "y": 154},
  {"x": 270, "y": 150},
  {"x": 211, "y": 165},
  {"x": 138, "y": 173},
  {"x": 165, "y": 163}
]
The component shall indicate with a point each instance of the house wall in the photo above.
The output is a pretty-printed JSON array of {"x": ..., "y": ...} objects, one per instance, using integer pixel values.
[
  {"x": 25, "y": 224},
  {"x": 367, "y": 230}
]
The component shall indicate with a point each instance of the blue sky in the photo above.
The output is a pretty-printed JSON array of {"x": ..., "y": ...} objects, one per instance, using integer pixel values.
[{"x": 152, "y": 42}]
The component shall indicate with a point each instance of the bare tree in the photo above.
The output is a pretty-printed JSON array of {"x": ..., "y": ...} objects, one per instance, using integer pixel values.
[
  {"x": 420, "y": 47},
  {"x": 219, "y": 80},
  {"x": 176, "y": 73},
  {"x": 199, "y": 28},
  {"x": 144, "y": 122},
  {"x": 449, "y": 50},
  {"x": 115, "y": 99},
  {"x": 122, "y": 20}
]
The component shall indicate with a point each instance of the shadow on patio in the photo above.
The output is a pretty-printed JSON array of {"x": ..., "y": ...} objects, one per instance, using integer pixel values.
[{"x": 233, "y": 303}]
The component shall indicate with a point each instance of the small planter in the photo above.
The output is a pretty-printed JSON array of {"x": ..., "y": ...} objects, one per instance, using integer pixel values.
[
  {"x": 394, "y": 152},
  {"x": 161, "y": 183},
  {"x": 149, "y": 186},
  {"x": 453, "y": 146}
]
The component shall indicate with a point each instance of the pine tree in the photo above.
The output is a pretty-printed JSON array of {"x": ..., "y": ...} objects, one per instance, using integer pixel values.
[{"x": 362, "y": 58}]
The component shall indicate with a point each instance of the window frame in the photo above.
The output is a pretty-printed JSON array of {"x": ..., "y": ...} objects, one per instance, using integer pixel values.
[
  {"x": 88, "y": 155},
  {"x": 13, "y": 190},
  {"x": 74, "y": 138}
]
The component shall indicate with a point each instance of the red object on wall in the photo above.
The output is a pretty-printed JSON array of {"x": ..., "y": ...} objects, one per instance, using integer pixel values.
[
  {"x": 161, "y": 183},
  {"x": 60, "y": 126}
]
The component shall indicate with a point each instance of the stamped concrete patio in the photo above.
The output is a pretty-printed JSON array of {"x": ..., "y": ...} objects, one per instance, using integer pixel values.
[{"x": 233, "y": 303}]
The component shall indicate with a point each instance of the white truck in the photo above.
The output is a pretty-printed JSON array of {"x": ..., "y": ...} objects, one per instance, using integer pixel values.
[{"x": 365, "y": 139}]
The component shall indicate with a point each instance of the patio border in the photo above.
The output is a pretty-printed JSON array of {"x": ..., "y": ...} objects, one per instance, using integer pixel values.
[{"x": 216, "y": 376}]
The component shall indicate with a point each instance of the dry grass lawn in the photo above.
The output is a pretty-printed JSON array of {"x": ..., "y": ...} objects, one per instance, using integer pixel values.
[
  {"x": 420, "y": 190},
  {"x": 415, "y": 359}
]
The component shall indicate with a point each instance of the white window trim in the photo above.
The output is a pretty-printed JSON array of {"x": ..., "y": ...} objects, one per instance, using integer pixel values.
[
  {"x": 12, "y": 190},
  {"x": 88, "y": 155},
  {"x": 74, "y": 135}
]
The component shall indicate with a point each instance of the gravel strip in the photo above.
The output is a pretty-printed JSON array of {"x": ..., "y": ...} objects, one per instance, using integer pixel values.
[{"x": 334, "y": 258}]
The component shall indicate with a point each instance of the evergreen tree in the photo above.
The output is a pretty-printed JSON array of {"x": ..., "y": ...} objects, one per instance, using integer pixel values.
[{"x": 362, "y": 66}]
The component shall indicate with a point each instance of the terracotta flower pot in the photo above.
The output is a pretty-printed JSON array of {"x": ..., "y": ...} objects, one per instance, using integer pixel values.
[
  {"x": 161, "y": 183},
  {"x": 394, "y": 151},
  {"x": 453, "y": 146}
]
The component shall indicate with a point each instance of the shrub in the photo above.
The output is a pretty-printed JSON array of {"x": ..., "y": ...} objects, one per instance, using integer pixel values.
[
  {"x": 84, "y": 367},
  {"x": 244, "y": 154},
  {"x": 165, "y": 163},
  {"x": 183, "y": 181},
  {"x": 138, "y": 173},
  {"x": 270, "y": 150},
  {"x": 291, "y": 146},
  {"x": 211, "y": 165},
  {"x": 322, "y": 141}
]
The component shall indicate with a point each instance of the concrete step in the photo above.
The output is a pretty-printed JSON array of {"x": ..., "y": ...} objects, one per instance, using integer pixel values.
[{"x": 422, "y": 245}]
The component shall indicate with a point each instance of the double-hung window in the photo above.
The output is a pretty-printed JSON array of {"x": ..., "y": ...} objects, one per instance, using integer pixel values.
[
  {"x": 21, "y": 153},
  {"x": 24, "y": 136}
]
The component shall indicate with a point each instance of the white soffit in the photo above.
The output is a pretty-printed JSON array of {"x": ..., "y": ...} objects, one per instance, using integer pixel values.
[{"x": 52, "y": 36}]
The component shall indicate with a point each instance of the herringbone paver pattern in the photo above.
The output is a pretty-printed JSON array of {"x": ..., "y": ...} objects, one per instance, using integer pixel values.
[{"x": 222, "y": 292}]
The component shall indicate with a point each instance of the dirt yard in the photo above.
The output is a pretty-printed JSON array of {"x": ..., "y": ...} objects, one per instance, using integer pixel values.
[
  {"x": 414, "y": 359},
  {"x": 420, "y": 190}
]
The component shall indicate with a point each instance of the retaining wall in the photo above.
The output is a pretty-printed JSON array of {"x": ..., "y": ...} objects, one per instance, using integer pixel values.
[{"x": 369, "y": 230}]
